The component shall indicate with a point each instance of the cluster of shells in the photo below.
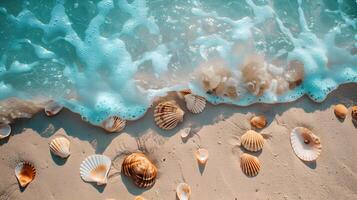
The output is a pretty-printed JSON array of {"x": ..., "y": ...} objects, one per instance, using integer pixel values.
[{"x": 341, "y": 112}]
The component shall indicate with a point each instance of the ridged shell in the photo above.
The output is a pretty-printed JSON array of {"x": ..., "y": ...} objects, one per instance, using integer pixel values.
[
  {"x": 354, "y": 114},
  {"x": 202, "y": 155},
  {"x": 114, "y": 124},
  {"x": 53, "y": 108},
  {"x": 258, "y": 121},
  {"x": 5, "y": 130},
  {"x": 25, "y": 173},
  {"x": 95, "y": 168},
  {"x": 60, "y": 146},
  {"x": 183, "y": 191},
  {"x": 340, "y": 111},
  {"x": 168, "y": 114},
  {"x": 305, "y": 144},
  {"x": 250, "y": 164},
  {"x": 194, "y": 103},
  {"x": 140, "y": 169},
  {"x": 252, "y": 141}
]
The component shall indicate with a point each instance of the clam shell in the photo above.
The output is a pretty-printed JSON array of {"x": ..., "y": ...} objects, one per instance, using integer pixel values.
[
  {"x": 114, "y": 124},
  {"x": 5, "y": 130},
  {"x": 95, "y": 168},
  {"x": 354, "y": 114},
  {"x": 258, "y": 121},
  {"x": 252, "y": 141},
  {"x": 202, "y": 155},
  {"x": 168, "y": 114},
  {"x": 25, "y": 172},
  {"x": 142, "y": 171},
  {"x": 305, "y": 144},
  {"x": 53, "y": 108},
  {"x": 183, "y": 191},
  {"x": 60, "y": 146},
  {"x": 250, "y": 164},
  {"x": 194, "y": 103},
  {"x": 340, "y": 111}
]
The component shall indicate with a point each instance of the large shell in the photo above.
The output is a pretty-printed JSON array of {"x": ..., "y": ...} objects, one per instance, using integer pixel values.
[
  {"x": 305, "y": 144},
  {"x": 140, "y": 169},
  {"x": 168, "y": 114},
  {"x": 114, "y": 124},
  {"x": 258, "y": 121},
  {"x": 183, "y": 191},
  {"x": 60, "y": 146},
  {"x": 195, "y": 104},
  {"x": 5, "y": 130},
  {"x": 354, "y": 114},
  {"x": 202, "y": 155},
  {"x": 53, "y": 108},
  {"x": 340, "y": 111},
  {"x": 25, "y": 172},
  {"x": 250, "y": 164},
  {"x": 252, "y": 141},
  {"x": 95, "y": 168}
]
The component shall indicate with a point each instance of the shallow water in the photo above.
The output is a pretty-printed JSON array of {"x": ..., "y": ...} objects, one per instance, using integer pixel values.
[{"x": 103, "y": 58}]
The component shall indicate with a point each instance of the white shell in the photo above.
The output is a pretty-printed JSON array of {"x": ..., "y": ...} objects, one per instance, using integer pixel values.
[
  {"x": 305, "y": 144},
  {"x": 52, "y": 108},
  {"x": 184, "y": 133},
  {"x": 114, "y": 124},
  {"x": 183, "y": 191},
  {"x": 5, "y": 130},
  {"x": 60, "y": 146},
  {"x": 95, "y": 168},
  {"x": 194, "y": 103},
  {"x": 202, "y": 156}
]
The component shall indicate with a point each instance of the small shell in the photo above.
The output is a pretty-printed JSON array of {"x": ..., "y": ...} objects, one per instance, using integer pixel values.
[
  {"x": 95, "y": 168},
  {"x": 114, "y": 124},
  {"x": 184, "y": 92},
  {"x": 52, "y": 108},
  {"x": 341, "y": 111},
  {"x": 25, "y": 172},
  {"x": 258, "y": 121},
  {"x": 194, "y": 103},
  {"x": 305, "y": 144},
  {"x": 183, "y": 191},
  {"x": 250, "y": 164},
  {"x": 139, "y": 198},
  {"x": 202, "y": 156},
  {"x": 60, "y": 146},
  {"x": 354, "y": 114},
  {"x": 168, "y": 114},
  {"x": 252, "y": 141},
  {"x": 140, "y": 169},
  {"x": 5, "y": 130},
  {"x": 184, "y": 133}
]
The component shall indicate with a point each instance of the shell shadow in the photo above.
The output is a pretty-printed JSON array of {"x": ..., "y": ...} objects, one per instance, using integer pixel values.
[
  {"x": 310, "y": 164},
  {"x": 4, "y": 140},
  {"x": 59, "y": 161},
  {"x": 99, "y": 188},
  {"x": 131, "y": 187}
]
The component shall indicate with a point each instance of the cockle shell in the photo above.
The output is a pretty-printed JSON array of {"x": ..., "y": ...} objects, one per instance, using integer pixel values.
[
  {"x": 258, "y": 121},
  {"x": 305, "y": 144},
  {"x": 5, "y": 130},
  {"x": 168, "y": 114},
  {"x": 202, "y": 155},
  {"x": 95, "y": 168},
  {"x": 25, "y": 172},
  {"x": 340, "y": 111},
  {"x": 140, "y": 169},
  {"x": 194, "y": 103},
  {"x": 354, "y": 114},
  {"x": 53, "y": 108},
  {"x": 250, "y": 164},
  {"x": 252, "y": 141},
  {"x": 114, "y": 124},
  {"x": 60, "y": 146},
  {"x": 183, "y": 191}
]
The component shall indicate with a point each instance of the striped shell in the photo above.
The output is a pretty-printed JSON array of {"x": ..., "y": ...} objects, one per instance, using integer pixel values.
[
  {"x": 140, "y": 169},
  {"x": 60, "y": 146},
  {"x": 52, "y": 108},
  {"x": 305, "y": 144},
  {"x": 168, "y": 114},
  {"x": 113, "y": 124},
  {"x": 258, "y": 121},
  {"x": 340, "y": 111},
  {"x": 194, "y": 103},
  {"x": 183, "y": 191},
  {"x": 252, "y": 141},
  {"x": 95, "y": 168},
  {"x": 5, "y": 130},
  {"x": 250, "y": 164},
  {"x": 202, "y": 156},
  {"x": 25, "y": 173}
]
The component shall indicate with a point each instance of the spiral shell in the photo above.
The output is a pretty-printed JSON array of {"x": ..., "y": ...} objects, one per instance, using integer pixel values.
[
  {"x": 252, "y": 141},
  {"x": 250, "y": 164},
  {"x": 60, "y": 146},
  {"x": 95, "y": 168},
  {"x": 52, "y": 108},
  {"x": 258, "y": 121},
  {"x": 305, "y": 144},
  {"x": 168, "y": 114},
  {"x": 5, "y": 130},
  {"x": 114, "y": 124},
  {"x": 194, "y": 103},
  {"x": 340, "y": 111},
  {"x": 183, "y": 191},
  {"x": 25, "y": 173}
]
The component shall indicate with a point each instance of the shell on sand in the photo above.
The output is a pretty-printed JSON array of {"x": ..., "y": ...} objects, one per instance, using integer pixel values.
[
  {"x": 341, "y": 111},
  {"x": 202, "y": 155},
  {"x": 139, "y": 198},
  {"x": 168, "y": 114},
  {"x": 258, "y": 121},
  {"x": 140, "y": 169},
  {"x": 25, "y": 173},
  {"x": 183, "y": 191},
  {"x": 184, "y": 133},
  {"x": 195, "y": 104},
  {"x": 113, "y": 124},
  {"x": 5, "y": 130},
  {"x": 60, "y": 146},
  {"x": 95, "y": 168},
  {"x": 53, "y": 108},
  {"x": 354, "y": 114},
  {"x": 250, "y": 164},
  {"x": 252, "y": 141},
  {"x": 305, "y": 144}
]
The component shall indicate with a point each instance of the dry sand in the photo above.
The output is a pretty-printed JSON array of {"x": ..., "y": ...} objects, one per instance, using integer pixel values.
[{"x": 283, "y": 175}]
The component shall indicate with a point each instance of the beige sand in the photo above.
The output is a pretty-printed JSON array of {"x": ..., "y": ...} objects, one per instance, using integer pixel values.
[{"x": 283, "y": 175}]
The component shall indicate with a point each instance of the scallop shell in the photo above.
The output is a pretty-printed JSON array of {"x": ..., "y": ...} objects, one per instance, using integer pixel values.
[
  {"x": 340, "y": 111},
  {"x": 194, "y": 103},
  {"x": 5, "y": 130},
  {"x": 183, "y": 191},
  {"x": 25, "y": 172},
  {"x": 354, "y": 114},
  {"x": 140, "y": 169},
  {"x": 305, "y": 144},
  {"x": 114, "y": 124},
  {"x": 250, "y": 164},
  {"x": 258, "y": 121},
  {"x": 168, "y": 114},
  {"x": 202, "y": 156},
  {"x": 252, "y": 141},
  {"x": 52, "y": 108},
  {"x": 60, "y": 146},
  {"x": 95, "y": 168}
]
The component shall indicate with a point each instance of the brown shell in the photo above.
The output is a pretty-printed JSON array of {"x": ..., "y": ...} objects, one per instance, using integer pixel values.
[
  {"x": 354, "y": 114},
  {"x": 140, "y": 169},
  {"x": 341, "y": 111},
  {"x": 194, "y": 103},
  {"x": 252, "y": 141},
  {"x": 113, "y": 124},
  {"x": 250, "y": 164},
  {"x": 258, "y": 121},
  {"x": 168, "y": 114},
  {"x": 25, "y": 172}
]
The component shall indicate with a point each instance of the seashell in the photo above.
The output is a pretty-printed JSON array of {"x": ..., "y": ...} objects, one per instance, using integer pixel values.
[
  {"x": 60, "y": 147},
  {"x": 25, "y": 172},
  {"x": 52, "y": 108},
  {"x": 95, "y": 168},
  {"x": 354, "y": 114},
  {"x": 202, "y": 156},
  {"x": 258, "y": 121},
  {"x": 168, "y": 114},
  {"x": 194, "y": 103},
  {"x": 140, "y": 169},
  {"x": 183, "y": 191},
  {"x": 184, "y": 133},
  {"x": 114, "y": 124},
  {"x": 250, "y": 164},
  {"x": 139, "y": 198},
  {"x": 341, "y": 111},
  {"x": 184, "y": 92},
  {"x": 252, "y": 141},
  {"x": 5, "y": 130},
  {"x": 305, "y": 144}
]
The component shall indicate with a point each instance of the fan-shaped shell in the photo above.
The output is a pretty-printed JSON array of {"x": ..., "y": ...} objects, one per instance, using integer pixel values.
[
  {"x": 258, "y": 121},
  {"x": 194, "y": 103},
  {"x": 5, "y": 130},
  {"x": 95, "y": 168},
  {"x": 252, "y": 141},
  {"x": 354, "y": 114},
  {"x": 183, "y": 191},
  {"x": 140, "y": 169},
  {"x": 202, "y": 155},
  {"x": 114, "y": 124},
  {"x": 305, "y": 144},
  {"x": 250, "y": 164},
  {"x": 168, "y": 114},
  {"x": 25, "y": 172},
  {"x": 60, "y": 146},
  {"x": 53, "y": 108},
  {"x": 340, "y": 111}
]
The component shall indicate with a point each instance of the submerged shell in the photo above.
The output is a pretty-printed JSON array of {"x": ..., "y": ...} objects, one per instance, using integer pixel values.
[
  {"x": 202, "y": 156},
  {"x": 252, "y": 141},
  {"x": 114, "y": 124},
  {"x": 183, "y": 191},
  {"x": 53, "y": 108},
  {"x": 258, "y": 121},
  {"x": 340, "y": 111},
  {"x": 195, "y": 104},
  {"x": 60, "y": 146},
  {"x": 250, "y": 164},
  {"x": 305, "y": 144},
  {"x": 354, "y": 114},
  {"x": 5, "y": 130},
  {"x": 140, "y": 169},
  {"x": 25, "y": 173},
  {"x": 168, "y": 114},
  {"x": 95, "y": 168}
]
